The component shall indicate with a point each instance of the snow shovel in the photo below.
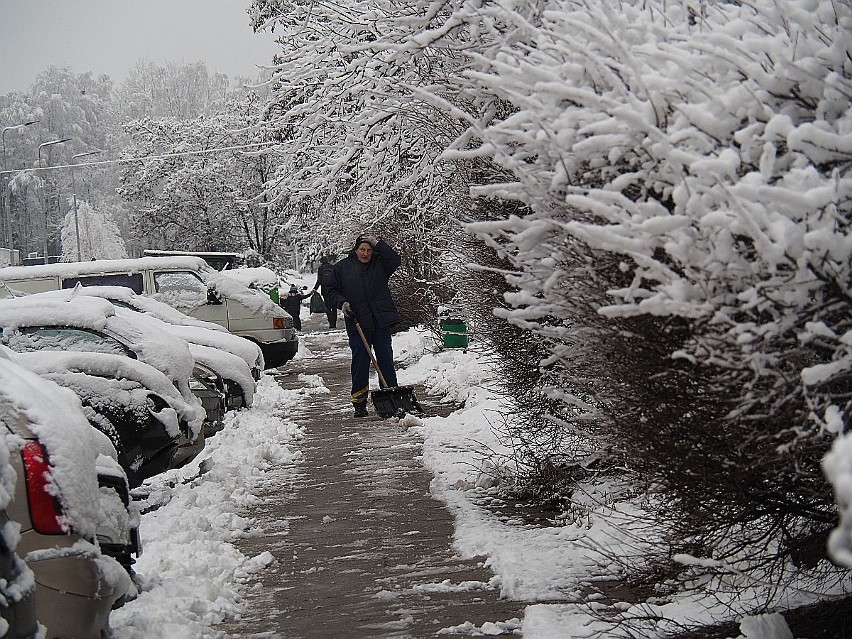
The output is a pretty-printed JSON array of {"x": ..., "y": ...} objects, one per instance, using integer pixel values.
[{"x": 389, "y": 402}]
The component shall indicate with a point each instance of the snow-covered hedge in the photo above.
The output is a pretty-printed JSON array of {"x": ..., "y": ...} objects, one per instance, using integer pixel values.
[{"x": 707, "y": 146}]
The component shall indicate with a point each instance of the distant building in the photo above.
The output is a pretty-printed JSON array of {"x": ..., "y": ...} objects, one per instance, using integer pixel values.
[{"x": 10, "y": 257}]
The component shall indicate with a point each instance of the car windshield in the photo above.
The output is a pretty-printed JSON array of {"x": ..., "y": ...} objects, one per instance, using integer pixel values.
[
  {"x": 180, "y": 289},
  {"x": 64, "y": 339}
]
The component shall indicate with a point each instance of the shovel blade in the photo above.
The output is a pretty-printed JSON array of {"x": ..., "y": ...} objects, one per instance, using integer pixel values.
[{"x": 399, "y": 401}]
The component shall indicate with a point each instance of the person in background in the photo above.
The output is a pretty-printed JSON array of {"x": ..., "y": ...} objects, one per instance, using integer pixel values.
[
  {"x": 323, "y": 278},
  {"x": 359, "y": 287},
  {"x": 293, "y": 305}
]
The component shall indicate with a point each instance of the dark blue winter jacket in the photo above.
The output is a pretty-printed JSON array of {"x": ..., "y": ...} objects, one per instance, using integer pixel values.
[{"x": 365, "y": 287}]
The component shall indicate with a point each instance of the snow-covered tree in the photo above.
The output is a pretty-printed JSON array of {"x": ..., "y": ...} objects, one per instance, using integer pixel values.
[
  {"x": 60, "y": 105},
  {"x": 174, "y": 90},
  {"x": 25, "y": 209},
  {"x": 362, "y": 152},
  {"x": 100, "y": 237},
  {"x": 197, "y": 184},
  {"x": 72, "y": 106}
]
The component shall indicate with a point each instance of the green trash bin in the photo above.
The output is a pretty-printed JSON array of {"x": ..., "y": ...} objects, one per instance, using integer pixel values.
[{"x": 455, "y": 333}]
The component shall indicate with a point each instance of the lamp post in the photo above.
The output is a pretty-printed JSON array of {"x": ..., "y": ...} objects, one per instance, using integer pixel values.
[
  {"x": 43, "y": 204},
  {"x": 5, "y": 211},
  {"x": 74, "y": 189}
]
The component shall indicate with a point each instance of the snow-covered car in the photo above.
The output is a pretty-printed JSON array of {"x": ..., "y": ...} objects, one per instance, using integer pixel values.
[
  {"x": 220, "y": 337},
  {"x": 59, "y": 510},
  {"x": 209, "y": 387},
  {"x": 132, "y": 403},
  {"x": 209, "y": 343},
  {"x": 118, "y": 536},
  {"x": 237, "y": 381},
  {"x": 88, "y": 324}
]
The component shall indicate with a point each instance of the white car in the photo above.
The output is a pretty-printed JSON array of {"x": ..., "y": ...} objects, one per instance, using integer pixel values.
[{"x": 185, "y": 282}]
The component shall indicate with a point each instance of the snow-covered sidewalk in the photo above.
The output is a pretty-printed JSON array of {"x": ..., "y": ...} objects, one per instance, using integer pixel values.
[
  {"x": 192, "y": 576},
  {"x": 362, "y": 549}
]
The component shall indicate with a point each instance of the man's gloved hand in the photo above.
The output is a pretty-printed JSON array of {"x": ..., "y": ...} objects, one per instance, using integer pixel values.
[
  {"x": 347, "y": 310},
  {"x": 372, "y": 239}
]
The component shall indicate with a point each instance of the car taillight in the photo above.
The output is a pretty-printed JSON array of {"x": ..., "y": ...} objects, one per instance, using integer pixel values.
[
  {"x": 278, "y": 322},
  {"x": 45, "y": 510}
]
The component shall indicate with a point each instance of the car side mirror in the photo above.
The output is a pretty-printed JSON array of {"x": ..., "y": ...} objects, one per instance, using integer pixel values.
[{"x": 212, "y": 297}]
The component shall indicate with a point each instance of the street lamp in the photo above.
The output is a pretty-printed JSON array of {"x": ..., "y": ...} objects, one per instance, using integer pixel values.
[
  {"x": 74, "y": 189},
  {"x": 43, "y": 204},
  {"x": 10, "y": 128},
  {"x": 5, "y": 210}
]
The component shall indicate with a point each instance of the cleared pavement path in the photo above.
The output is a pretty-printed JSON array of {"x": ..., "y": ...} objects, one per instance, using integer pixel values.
[{"x": 362, "y": 549}]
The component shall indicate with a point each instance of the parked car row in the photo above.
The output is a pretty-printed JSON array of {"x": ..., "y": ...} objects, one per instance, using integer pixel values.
[
  {"x": 148, "y": 385},
  {"x": 183, "y": 282}
]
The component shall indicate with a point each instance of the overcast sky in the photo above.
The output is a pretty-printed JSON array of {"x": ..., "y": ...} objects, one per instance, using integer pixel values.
[{"x": 111, "y": 36}]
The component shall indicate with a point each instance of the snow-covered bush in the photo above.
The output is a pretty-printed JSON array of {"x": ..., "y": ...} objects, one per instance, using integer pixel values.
[{"x": 690, "y": 163}]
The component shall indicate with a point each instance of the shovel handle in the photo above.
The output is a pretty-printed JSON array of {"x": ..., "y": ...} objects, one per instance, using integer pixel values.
[{"x": 370, "y": 353}]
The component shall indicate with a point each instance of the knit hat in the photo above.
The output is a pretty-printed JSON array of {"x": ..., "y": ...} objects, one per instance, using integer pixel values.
[{"x": 359, "y": 241}]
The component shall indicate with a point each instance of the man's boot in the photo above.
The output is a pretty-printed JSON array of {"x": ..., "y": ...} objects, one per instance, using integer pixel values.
[{"x": 360, "y": 409}]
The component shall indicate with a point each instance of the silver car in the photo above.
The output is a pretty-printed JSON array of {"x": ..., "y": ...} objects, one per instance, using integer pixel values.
[{"x": 59, "y": 506}]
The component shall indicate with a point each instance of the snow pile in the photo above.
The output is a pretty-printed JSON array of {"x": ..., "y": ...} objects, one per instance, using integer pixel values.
[{"x": 189, "y": 573}]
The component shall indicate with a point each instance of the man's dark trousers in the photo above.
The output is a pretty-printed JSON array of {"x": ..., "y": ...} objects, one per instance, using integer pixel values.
[{"x": 380, "y": 339}]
